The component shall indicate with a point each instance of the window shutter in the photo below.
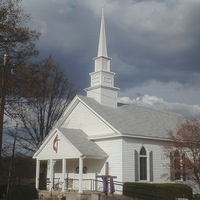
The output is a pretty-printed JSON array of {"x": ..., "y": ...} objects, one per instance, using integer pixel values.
[
  {"x": 184, "y": 170},
  {"x": 172, "y": 167},
  {"x": 136, "y": 166},
  {"x": 151, "y": 165}
]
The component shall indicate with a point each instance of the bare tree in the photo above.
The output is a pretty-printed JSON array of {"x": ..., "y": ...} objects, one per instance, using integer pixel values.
[
  {"x": 46, "y": 92},
  {"x": 17, "y": 41},
  {"x": 16, "y": 38},
  {"x": 184, "y": 151}
]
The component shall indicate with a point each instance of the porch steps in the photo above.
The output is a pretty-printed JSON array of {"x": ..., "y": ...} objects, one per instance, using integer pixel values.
[{"x": 58, "y": 195}]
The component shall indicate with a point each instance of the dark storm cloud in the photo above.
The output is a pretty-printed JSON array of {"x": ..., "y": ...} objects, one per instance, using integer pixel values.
[
  {"x": 161, "y": 41},
  {"x": 154, "y": 45}
]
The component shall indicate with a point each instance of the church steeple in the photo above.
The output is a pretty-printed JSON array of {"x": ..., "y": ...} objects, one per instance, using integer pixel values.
[
  {"x": 102, "y": 79},
  {"x": 102, "y": 49}
]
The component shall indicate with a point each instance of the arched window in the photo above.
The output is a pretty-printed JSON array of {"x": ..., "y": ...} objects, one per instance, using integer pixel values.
[
  {"x": 143, "y": 164},
  {"x": 178, "y": 168}
]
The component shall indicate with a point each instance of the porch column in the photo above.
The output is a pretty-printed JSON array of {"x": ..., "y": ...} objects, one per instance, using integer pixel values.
[
  {"x": 80, "y": 175},
  {"x": 63, "y": 174},
  {"x": 51, "y": 174},
  {"x": 37, "y": 174}
]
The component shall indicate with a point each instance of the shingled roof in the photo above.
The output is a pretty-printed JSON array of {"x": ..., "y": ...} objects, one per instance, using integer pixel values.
[
  {"x": 134, "y": 120},
  {"x": 79, "y": 139}
]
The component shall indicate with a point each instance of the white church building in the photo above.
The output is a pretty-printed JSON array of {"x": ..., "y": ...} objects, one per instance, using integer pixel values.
[{"x": 103, "y": 137}]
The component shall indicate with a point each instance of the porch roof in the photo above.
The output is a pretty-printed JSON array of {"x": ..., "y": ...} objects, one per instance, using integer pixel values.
[{"x": 80, "y": 141}]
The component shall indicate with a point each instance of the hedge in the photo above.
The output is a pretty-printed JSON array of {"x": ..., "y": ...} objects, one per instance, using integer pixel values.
[{"x": 166, "y": 191}]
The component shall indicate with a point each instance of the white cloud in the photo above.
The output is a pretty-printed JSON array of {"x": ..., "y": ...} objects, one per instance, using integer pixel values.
[
  {"x": 171, "y": 91},
  {"x": 189, "y": 111}
]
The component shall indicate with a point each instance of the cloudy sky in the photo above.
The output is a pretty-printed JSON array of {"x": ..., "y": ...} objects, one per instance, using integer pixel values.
[{"x": 154, "y": 46}]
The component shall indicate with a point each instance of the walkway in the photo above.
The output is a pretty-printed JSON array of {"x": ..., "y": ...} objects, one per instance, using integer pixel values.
[{"x": 58, "y": 195}]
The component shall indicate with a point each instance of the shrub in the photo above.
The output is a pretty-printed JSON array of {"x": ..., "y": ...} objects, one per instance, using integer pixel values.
[
  {"x": 168, "y": 191},
  {"x": 20, "y": 192}
]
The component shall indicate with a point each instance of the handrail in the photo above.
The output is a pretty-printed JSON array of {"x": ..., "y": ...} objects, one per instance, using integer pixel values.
[{"x": 72, "y": 183}]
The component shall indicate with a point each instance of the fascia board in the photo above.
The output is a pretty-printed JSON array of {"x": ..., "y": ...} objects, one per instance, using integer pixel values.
[
  {"x": 45, "y": 141},
  {"x": 48, "y": 139},
  {"x": 102, "y": 137},
  {"x": 145, "y": 137},
  {"x": 66, "y": 113},
  {"x": 68, "y": 110}
]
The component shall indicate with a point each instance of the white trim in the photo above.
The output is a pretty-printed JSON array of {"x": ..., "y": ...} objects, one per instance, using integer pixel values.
[
  {"x": 109, "y": 58},
  {"x": 51, "y": 174},
  {"x": 103, "y": 136},
  {"x": 102, "y": 71},
  {"x": 56, "y": 130},
  {"x": 143, "y": 156},
  {"x": 145, "y": 137},
  {"x": 100, "y": 137},
  {"x": 80, "y": 175},
  {"x": 37, "y": 174},
  {"x": 102, "y": 86},
  {"x": 45, "y": 141},
  {"x": 122, "y": 161},
  {"x": 63, "y": 173},
  {"x": 68, "y": 110}
]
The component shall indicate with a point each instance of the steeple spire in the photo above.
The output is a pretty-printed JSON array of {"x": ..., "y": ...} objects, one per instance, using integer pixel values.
[
  {"x": 102, "y": 79},
  {"x": 102, "y": 49}
]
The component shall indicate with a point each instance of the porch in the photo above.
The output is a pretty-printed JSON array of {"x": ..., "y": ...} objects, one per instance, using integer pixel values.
[
  {"x": 64, "y": 174},
  {"x": 65, "y": 156}
]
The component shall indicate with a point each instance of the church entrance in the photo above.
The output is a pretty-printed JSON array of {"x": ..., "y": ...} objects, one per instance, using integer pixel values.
[{"x": 64, "y": 174}]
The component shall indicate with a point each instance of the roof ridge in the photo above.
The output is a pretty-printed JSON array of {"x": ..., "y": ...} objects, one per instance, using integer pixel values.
[
  {"x": 157, "y": 110},
  {"x": 133, "y": 104}
]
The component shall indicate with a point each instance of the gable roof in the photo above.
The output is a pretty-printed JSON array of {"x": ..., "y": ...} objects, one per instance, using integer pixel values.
[
  {"x": 79, "y": 139},
  {"x": 127, "y": 120},
  {"x": 134, "y": 120}
]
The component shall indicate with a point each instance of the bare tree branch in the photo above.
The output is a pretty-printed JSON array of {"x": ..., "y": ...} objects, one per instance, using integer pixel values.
[
  {"x": 186, "y": 141},
  {"x": 46, "y": 93}
]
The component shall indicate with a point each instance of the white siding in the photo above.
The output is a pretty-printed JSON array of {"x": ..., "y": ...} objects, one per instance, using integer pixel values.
[
  {"x": 159, "y": 161},
  {"x": 114, "y": 149},
  {"x": 83, "y": 118},
  {"x": 65, "y": 149}
]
